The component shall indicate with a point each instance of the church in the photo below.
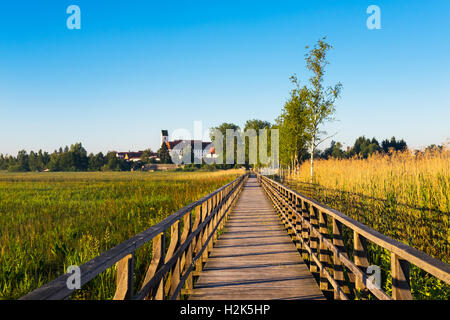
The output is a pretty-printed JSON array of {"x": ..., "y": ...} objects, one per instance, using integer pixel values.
[{"x": 201, "y": 149}]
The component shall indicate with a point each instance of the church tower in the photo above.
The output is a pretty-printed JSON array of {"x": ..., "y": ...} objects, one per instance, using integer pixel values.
[{"x": 164, "y": 137}]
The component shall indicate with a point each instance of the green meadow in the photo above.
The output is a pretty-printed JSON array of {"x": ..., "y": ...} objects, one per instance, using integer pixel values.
[{"x": 49, "y": 221}]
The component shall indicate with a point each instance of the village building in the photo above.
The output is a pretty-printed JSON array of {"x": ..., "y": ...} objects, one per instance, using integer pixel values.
[
  {"x": 135, "y": 156},
  {"x": 200, "y": 148}
]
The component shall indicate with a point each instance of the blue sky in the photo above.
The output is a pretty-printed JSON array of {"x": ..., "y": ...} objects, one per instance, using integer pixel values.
[{"x": 136, "y": 67}]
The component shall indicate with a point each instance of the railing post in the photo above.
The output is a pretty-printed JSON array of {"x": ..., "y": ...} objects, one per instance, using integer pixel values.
[
  {"x": 290, "y": 215},
  {"x": 298, "y": 224},
  {"x": 324, "y": 254},
  {"x": 313, "y": 238},
  {"x": 158, "y": 257},
  {"x": 124, "y": 280},
  {"x": 210, "y": 226},
  {"x": 360, "y": 257},
  {"x": 215, "y": 218},
  {"x": 221, "y": 211},
  {"x": 199, "y": 239},
  {"x": 186, "y": 259},
  {"x": 305, "y": 231},
  {"x": 173, "y": 277},
  {"x": 205, "y": 211},
  {"x": 401, "y": 289},
  {"x": 280, "y": 195},
  {"x": 189, "y": 283},
  {"x": 338, "y": 241}
]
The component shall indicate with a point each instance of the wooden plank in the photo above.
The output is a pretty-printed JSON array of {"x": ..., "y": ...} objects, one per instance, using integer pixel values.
[
  {"x": 401, "y": 289},
  {"x": 255, "y": 258},
  {"x": 338, "y": 241},
  {"x": 158, "y": 257},
  {"x": 324, "y": 253},
  {"x": 361, "y": 261},
  {"x": 305, "y": 230},
  {"x": 313, "y": 240},
  {"x": 124, "y": 280}
]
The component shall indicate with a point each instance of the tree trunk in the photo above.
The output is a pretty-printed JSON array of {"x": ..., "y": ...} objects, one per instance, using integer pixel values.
[{"x": 312, "y": 159}]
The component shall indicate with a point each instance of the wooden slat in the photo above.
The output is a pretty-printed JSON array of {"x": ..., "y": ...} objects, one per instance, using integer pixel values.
[
  {"x": 305, "y": 229},
  {"x": 360, "y": 258},
  {"x": 313, "y": 240},
  {"x": 158, "y": 257},
  {"x": 401, "y": 289},
  {"x": 124, "y": 280},
  {"x": 338, "y": 241},
  {"x": 324, "y": 254}
]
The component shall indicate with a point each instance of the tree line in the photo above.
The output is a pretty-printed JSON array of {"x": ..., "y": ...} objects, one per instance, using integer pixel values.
[{"x": 75, "y": 158}]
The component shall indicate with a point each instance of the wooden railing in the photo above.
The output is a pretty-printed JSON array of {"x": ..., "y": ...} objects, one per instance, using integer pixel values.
[
  {"x": 193, "y": 230},
  {"x": 308, "y": 223}
]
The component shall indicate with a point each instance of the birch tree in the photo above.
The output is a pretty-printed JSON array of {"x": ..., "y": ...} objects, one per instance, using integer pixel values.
[{"x": 320, "y": 100}]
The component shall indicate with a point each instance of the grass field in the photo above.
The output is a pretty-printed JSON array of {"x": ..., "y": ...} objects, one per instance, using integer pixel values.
[
  {"x": 49, "y": 221},
  {"x": 403, "y": 196}
]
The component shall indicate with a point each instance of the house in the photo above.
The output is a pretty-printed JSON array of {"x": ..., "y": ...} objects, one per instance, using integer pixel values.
[
  {"x": 201, "y": 149},
  {"x": 135, "y": 156}
]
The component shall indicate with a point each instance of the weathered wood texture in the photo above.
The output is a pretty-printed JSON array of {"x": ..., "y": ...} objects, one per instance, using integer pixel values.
[{"x": 255, "y": 258}]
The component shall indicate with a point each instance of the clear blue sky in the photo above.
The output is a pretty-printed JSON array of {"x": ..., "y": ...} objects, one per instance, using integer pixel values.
[{"x": 136, "y": 67}]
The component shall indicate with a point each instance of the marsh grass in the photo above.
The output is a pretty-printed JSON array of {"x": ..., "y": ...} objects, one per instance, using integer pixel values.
[{"x": 49, "y": 221}]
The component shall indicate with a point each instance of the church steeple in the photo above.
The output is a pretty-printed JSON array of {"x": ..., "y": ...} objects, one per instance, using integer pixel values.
[{"x": 164, "y": 137}]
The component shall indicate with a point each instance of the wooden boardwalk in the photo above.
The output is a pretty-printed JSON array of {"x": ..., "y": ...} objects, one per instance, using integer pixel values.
[{"x": 255, "y": 258}]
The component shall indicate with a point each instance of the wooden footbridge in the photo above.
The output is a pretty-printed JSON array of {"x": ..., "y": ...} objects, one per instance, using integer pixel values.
[{"x": 253, "y": 239}]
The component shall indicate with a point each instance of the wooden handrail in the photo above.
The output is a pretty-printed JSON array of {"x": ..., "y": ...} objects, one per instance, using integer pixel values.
[
  {"x": 295, "y": 207},
  {"x": 168, "y": 271}
]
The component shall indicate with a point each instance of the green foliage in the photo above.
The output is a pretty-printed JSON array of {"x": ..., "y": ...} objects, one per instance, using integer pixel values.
[
  {"x": 257, "y": 125},
  {"x": 364, "y": 147},
  {"x": 146, "y": 157},
  {"x": 96, "y": 162},
  {"x": 222, "y": 128},
  {"x": 292, "y": 127},
  {"x": 164, "y": 154},
  {"x": 393, "y": 144},
  {"x": 333, "y": 151},
  {"x": 68, "y": 159},
  {"x": 242, "y": 139}
]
